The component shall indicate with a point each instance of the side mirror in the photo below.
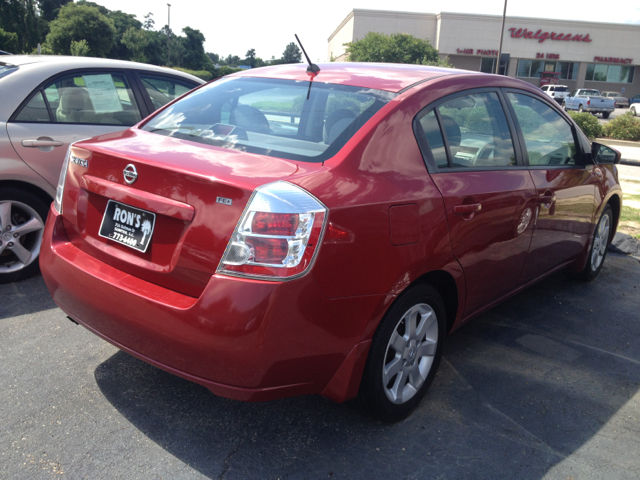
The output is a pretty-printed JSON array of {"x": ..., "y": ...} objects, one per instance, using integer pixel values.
[{"x": 602, "y": 154}]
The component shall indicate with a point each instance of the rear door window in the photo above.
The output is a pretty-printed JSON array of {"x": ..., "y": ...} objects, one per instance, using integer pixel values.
[
  {"x": 162, "y": 90},
  {"x": 476, "y": 132},
  {"x": 84, "y": 98}
]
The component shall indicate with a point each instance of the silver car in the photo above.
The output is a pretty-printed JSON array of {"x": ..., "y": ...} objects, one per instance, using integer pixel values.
[{"x": 46, "y": 103}]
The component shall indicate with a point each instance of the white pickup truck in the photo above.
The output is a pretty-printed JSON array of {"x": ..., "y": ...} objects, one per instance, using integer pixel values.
[{"x": 589, "y": 100}]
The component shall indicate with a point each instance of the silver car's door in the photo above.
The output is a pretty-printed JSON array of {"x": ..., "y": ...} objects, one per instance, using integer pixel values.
[{"x": 69, "y": 108}]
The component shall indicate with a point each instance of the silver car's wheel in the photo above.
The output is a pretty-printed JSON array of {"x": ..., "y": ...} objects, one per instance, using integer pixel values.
[
  {"x": 22, "y": 218},
  {"x": 580, "y": 109},
  {"x": 404, "y": 355},
  {"x": 633, "y": 110}
]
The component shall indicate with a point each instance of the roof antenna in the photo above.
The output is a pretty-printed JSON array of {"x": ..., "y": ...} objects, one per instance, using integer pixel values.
[{"x": 312, "y": 69}]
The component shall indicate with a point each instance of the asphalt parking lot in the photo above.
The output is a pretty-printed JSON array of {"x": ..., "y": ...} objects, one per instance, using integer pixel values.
[{"x": 544, "y": 386}]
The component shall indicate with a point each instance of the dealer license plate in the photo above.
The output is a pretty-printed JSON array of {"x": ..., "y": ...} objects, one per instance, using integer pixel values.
[{"x": 127, "y": 225}]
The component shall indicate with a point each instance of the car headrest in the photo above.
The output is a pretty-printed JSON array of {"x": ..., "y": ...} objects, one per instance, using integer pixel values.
[
  {"x": 249, "y": 118},
  {"x": 336, "y": 123},
  {"x": 452, "y": 130}
]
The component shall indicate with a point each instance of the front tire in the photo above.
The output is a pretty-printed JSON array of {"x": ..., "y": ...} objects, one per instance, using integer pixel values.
[
  {"x": 633, "y": 110},
  {"x": 404, "y": 356},
  {"x": 564, "y": 106},
  {"x": 22, "y": 219},
  {"x": 599, "y": 243}
]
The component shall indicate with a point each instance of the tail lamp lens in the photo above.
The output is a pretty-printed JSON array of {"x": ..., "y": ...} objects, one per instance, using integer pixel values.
[
  {"x": 277, "y": 236},
  {"x": 57, "y": 202}
]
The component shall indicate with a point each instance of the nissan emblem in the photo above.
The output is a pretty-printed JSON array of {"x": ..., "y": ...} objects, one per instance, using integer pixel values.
[{"x": 130, "y": 174}]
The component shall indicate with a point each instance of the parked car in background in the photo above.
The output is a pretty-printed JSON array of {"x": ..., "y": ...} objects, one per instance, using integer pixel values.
[
  {"x": 620, "y": 101},
  {"x": 47, "y": 103},
  {"x": 280, "y": 233},
  {"x": 557, "y": 92},
  {"x": 589, "y": 100},
  {"x": 632, "y": 104}
]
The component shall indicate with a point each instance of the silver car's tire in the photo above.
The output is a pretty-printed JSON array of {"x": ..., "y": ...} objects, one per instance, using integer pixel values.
[
  {"x": 632, "y": 109},
  {"x": 599, "y": 244},
  {"x": 405, "y": 354},
  {"x": 580, "y": 109},
  {"x": 22, "y": 218}
]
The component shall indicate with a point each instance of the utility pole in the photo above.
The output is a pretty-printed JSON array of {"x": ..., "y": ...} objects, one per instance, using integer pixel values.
[
  {"x": 504, "y": 14},
  {"x": 169, "y": 33}
]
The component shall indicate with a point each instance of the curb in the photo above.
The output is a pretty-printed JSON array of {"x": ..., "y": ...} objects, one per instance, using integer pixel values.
[
  {"x": 611, "y": 142},
  {"x": 633, "y": 163}
]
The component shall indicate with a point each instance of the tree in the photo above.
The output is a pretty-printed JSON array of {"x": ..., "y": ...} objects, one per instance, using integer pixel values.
[
  {"x": 292, "y": 54},
  {"x": 122, "y": 22},
  {"x": 79, "y": 49},
  {"x": 149, "y": 23},
  {"x": 394, "y": 48},
  {"x": 81, "y": 22},
  {"x": 250, "y": 58},
  {"x": 21, "y": 17},
  {"x": 137, "y": 42},
  {"x": 194, "y": 57},
  {"x": 8, "y": 41},
  {"x": 49, "y": 9}
]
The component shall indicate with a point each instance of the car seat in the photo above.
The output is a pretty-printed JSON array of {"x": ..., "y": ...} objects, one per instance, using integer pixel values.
[
  {"x": 452, "y": 130},
  {"x": 75, "y": 106},
  {"x": 336, "y": 123},
  {"x": 249, "y": 118}
]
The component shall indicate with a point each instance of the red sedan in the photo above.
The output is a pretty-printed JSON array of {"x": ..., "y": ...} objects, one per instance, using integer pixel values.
[{"x": 279, "y": 233}]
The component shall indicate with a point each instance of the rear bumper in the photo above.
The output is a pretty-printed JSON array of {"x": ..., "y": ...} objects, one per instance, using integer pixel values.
[
  {"x": 242, "y": 339},
  {"x": 599, "y": 110}
]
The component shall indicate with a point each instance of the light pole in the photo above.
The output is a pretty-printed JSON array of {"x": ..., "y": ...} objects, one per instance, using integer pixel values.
[
  {"x": 169, "y": 34},
  {"x": 504, "y": 13}
]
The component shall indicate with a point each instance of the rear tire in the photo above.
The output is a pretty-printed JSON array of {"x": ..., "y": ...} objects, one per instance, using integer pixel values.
[
  {"x": 22, "y": 219},
  {"x": 605, "y": 115},
  {"x": 632, "y": 109},
  {"x": 404, "y": 356},
  {"x": 599, "y": 243},
  {"x": 580, "y": 109},
  {"x": 564, "y": 106}
]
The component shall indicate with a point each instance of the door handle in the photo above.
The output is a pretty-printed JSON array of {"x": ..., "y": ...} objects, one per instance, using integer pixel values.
[
  {"x": 546, "y": 198},
  {"x": 467, "y": 209},
  {"x": 41, "y": 143}
]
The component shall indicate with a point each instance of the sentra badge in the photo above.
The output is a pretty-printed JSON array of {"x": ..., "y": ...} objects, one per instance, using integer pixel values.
[
  {"x": 130, "y": 174},
  {"x": 79, "y": 161}
]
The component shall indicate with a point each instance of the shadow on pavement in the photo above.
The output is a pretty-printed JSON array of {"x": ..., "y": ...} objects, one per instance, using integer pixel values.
[
  {"x": 523, "y": 390},
  {"x": 24, "y": 297}
]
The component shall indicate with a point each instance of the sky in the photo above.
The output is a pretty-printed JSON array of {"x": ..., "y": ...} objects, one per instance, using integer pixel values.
[{"x": 233, "y": 27}]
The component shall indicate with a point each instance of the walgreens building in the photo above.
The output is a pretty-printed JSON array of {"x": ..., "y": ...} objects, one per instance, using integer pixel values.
[{"x": 584, "y": 54}]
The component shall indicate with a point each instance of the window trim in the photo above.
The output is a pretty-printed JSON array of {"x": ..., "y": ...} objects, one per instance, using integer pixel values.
[
  {"x": 581, "y": 164},
  {"x": 142, "y": 107},
  {"x": 425, "y": 149}
]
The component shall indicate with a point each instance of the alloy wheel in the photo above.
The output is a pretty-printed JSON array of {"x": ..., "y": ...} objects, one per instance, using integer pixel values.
[
  {"x": 600, "y": 242},
  {"x": 21, "y": 229},
  {"x": 410, "y": 353}
]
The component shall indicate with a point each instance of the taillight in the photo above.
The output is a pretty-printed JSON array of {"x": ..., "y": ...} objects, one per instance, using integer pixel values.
[
  {"x": 589, "y": 102},
  {"x": 278, "y": 234}
]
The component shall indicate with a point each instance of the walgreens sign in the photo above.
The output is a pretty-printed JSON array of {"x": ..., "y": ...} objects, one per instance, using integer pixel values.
[{"x": 542, "y": 36}]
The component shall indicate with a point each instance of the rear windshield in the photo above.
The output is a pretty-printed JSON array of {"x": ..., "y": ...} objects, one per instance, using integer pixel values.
[
  {"x": 562, "y": 89},
  {"x": 590, "y": 93},
  {"x": 306, "y": 121},
  {"x": 6, "y": 69}
]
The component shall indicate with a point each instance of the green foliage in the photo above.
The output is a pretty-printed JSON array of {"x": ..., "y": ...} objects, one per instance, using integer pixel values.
[
  {"x": 203, "y": 74},
  {"x": 122, "y": 22},
  {"x": 21, "y": 18},
  {"x": 136, "y": 41},
  {"x": 394, "y": 48},
  {"x": 440, "y": 62},
  {"x": 49, "y": 9},
  {"x": 291, "y": 54},
  {"x": 81, "y": 22},
  {"x": 79, "y": 49},
  {"x": 194, "y": 57},
  {"x": 8, "y": 41},
  {"x": 624, "y": 127},
  {"x": 224, "y": 70},
  {"x": 587, "y": 123}
]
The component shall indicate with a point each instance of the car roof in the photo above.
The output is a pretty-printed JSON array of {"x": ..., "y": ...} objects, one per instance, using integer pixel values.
[
  {"x": 69, "y": 62},
  {"x": 381, "y": 76}
]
